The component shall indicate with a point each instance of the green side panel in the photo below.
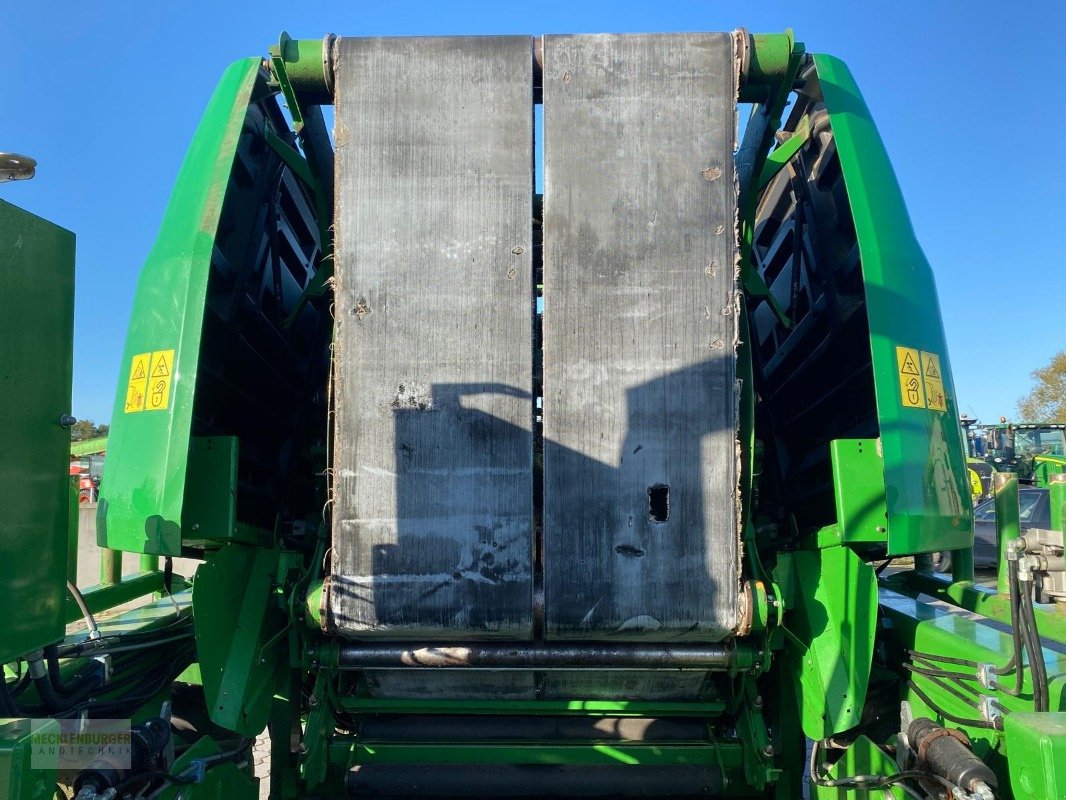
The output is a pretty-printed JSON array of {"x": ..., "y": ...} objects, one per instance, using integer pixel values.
[
  {"x": 238, "y": 636},
  {"x": 23, "y": 777},
  {"x": 144, "y": 483},
  {"x": 36, "y": 337},
  {"x": 831, "y": 597},
  {"x": 1045, "y": 466},
  {"x": 210, "y": 495},
  {"x": 1036, "y": 752},
  {"x": 925, "y": 472},
  {"x": 859, "y": 489},
  {"x": 911, "y": 624}
]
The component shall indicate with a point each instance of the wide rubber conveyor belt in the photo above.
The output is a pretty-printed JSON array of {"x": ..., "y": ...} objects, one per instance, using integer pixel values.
[
  {"x": 640, "y": 330},
  {"x": 432, "y": 532}
]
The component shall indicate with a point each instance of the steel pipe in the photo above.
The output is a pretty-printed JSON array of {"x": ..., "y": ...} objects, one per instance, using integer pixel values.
[
  {"x": 110, "y": 566},
  {"x": 763, "y": 64},
  {"x": 1008, "y": 525},
  {"x": 309, "y": 66},
  {"x": 535, "y": 656}
]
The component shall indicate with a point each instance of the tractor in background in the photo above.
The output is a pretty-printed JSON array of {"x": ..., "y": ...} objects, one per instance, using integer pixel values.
[{"x": 1034, "y": 451}]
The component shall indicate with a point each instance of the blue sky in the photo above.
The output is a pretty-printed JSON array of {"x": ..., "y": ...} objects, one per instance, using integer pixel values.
[{"x": 106, "y": 96}]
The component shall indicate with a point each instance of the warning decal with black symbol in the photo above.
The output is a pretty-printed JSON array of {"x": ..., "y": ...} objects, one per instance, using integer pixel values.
[
  {"x": 159, "y": 375},
  {"x": 149, "y": 382},
  {"x": 934, "y": 382},
  {"x": 921, "y": 383},
  {"x": 912, "y": 390},
  {"x": 138, "y": 382}
]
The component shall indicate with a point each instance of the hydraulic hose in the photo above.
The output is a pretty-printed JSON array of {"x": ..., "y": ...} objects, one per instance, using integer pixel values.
[
  {"x": 972, "y": 723},
  {"x": 1033, "y": 647},
  {"x": 1016, "y": 661},
  {"x": 90, "y": 620},
  {"x": 962, "y": 662},
  {"x": 77, "y": 691},
  {"x": 1015, "y": 665},
  {"x": 55, "y": 701},
  {"x": 8, "y": 706}
]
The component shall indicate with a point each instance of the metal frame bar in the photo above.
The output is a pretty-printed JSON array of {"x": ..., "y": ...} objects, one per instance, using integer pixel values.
[{"x": 537, "y": 656}]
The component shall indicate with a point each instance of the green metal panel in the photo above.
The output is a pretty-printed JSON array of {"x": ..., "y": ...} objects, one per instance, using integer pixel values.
[
  {"x": 925, "y": 472},
  {"x": 910, "y": 624},
  {"x": 831, "y": 597},
  {"x": 36, "y": 337},
  {"x": 20, "y": 777},
  {"x": 859, "y": 490},
  {"x": 238, "y": 636},
  {"x": 210, "y": 511},
  {"x": 144, "y": 481},
  {"x": 1050, "y": 620},
  {"x": 1036, "y": 747},
  {"x": 919, "y": 626},
  {"x": 1045, "y": 467}
]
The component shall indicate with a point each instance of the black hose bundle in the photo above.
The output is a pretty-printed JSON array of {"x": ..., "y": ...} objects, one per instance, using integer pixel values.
[
  {"x": 1031, "y": 638},
  {"x": 1026, "y": 646},
  {"x": 1015, "y": 664}
]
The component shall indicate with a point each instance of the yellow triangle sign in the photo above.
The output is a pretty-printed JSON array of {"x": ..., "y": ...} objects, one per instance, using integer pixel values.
[
  {"x": 138, "y": 372},
  {"x": 909, "y": 367},
  {"x": 161, "y": 368},
  {"x": 930, "y": 369}
]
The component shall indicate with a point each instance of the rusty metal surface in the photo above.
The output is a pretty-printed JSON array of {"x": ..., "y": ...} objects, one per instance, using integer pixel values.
[{"x": 640, "y": 462}]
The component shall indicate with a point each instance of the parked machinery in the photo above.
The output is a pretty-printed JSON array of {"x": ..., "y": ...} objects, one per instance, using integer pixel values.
[{"x": 581, "y": 486}]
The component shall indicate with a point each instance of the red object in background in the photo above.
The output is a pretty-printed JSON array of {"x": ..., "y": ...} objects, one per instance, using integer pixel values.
[{"x": 87, "y": 489}]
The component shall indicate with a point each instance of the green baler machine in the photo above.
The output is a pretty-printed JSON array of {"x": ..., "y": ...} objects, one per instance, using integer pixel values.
[{"x": 566, "y": 479}]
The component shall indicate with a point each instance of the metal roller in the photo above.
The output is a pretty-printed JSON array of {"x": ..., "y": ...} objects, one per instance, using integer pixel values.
[
  {"x": 455, "y": 728},
  {"x": 531, "y": 656},
  {"x": 532, "y": 780}
]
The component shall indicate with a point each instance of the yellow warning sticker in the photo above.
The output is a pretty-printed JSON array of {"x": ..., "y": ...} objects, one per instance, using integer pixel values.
[
  {"x": 908, "y": 363},
  {"x": 934, "y": 382},
  {"x": 159, "y": 374},
  {"x": 138, "y": 383}
]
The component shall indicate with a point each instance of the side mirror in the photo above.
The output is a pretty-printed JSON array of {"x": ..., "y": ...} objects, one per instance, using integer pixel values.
[{"x": 14, "y": 167}]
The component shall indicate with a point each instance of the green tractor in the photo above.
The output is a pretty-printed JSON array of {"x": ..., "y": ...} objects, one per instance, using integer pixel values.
[
  {"x": 501, "y": 489},
  {"x": 1033, "y": 450}
]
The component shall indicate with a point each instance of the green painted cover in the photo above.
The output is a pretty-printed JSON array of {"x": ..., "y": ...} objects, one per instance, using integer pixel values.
[
  {"x": 925, "y": 471},
  {"x": 144, "y": 478},
  {"x": 36, "y": 340}
]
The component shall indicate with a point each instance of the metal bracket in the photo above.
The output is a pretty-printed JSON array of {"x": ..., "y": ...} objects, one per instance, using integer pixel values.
[
  {"x": 777, "y": 160},
  {"x": 277, "y": 60},
  {"x": 767, "y": 120},
  {"x": 990, "y": 710},
  {"x": 306, "y": 168}
]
